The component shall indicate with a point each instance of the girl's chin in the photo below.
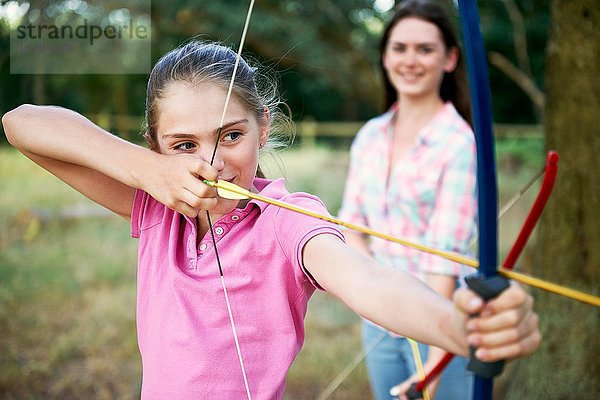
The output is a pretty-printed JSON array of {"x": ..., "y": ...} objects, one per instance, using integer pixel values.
[{"x": 227, "y": 205}]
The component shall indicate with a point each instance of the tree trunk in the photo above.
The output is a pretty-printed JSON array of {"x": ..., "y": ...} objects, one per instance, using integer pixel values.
[{"x": 568, "y": 364}]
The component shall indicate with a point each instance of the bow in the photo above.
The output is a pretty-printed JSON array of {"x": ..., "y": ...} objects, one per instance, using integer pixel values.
[
  {"x": 487, "y": 194},
  {"x": 548, "y": 183},
  {"x": 212, "y": 234}
]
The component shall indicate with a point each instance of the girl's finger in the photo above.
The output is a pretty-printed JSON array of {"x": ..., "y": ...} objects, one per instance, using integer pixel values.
[
  {"x": 515, "y": 297},
  {"x": 200, "y": 168},
  {"x": 199, "y": 203},
  {"x": 185, "y": 209},
  {"x": 500, "y": 337},
  {"x": 496, "y": 322},
  {"x": 525, "y": 346},
  {"x": 199, "y": 188},
  {"x": 468, "y": 301}
]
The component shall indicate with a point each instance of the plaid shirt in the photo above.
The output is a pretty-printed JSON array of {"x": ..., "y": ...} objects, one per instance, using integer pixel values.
[{"x": 430, "y": 196}]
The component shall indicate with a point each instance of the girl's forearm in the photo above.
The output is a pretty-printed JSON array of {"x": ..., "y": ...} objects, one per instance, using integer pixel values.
[
  {"x": 444, "y": 285},
  {"x": 390, "y": 298},
  {"x": 414, "y": 310},
  {"x": 60, "y": 134}
]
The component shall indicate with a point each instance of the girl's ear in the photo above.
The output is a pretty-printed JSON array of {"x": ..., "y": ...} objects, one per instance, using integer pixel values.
[
  {"x": 152, "y": 145},
  {"x": 451, "y": 59},
  {"x": 265, "y": 127}
]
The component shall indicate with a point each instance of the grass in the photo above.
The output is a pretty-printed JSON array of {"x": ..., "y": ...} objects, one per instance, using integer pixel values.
[
  {"x": 67, "y": 293},
  {"x": 67, "y": 286}
]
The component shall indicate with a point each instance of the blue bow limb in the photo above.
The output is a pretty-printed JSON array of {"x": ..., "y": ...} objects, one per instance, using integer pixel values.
[{"x": 487, "y": 196}]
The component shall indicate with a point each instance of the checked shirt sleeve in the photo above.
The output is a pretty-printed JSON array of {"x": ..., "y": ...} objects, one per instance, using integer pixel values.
[{"x": 453, "y": 222}]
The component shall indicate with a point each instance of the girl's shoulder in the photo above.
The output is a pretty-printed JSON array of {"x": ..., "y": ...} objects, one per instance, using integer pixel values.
[
  {"x": 147, "y": 212},
  {"x": 276, "y": 189}
]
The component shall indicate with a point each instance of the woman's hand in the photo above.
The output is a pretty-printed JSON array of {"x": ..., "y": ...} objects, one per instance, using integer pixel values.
[
  {"x": 399, "y": 391},
  {"x": 176, "y": 181},
  {"x": 506, "y": 327}
]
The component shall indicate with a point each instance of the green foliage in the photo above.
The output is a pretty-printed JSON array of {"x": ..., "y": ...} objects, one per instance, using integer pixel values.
[
  {"x": 514, "y": 153},
  {"x": 510, "y": 104},
  {"x": 325, "y": 52}
]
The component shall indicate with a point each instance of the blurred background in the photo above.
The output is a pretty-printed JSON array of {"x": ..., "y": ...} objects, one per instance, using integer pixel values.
[{"x": 67, "y": 268}]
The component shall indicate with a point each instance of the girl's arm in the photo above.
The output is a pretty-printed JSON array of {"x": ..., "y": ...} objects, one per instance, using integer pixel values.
[
  {"x": 102, "y": 166},
  {"x": 507, "y": 327},
  {"x": 358, "y": 241},
  {"x": 444, "y": 285}
]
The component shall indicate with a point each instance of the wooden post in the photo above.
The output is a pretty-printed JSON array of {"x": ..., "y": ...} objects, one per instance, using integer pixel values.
[{"x": 307, "y": 130}]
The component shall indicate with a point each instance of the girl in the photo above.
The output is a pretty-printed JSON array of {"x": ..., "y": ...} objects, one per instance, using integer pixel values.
[
  {"x": 271, "y": 259},
  {"x": 420, "y": 158}
]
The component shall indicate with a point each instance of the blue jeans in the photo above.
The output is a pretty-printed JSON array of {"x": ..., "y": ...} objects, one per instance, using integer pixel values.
[{"x": 391, "y": 362}]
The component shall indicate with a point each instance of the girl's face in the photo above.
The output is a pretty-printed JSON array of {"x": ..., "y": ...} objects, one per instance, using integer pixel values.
[
  {"x": 416, "y": 58},
  {"x": 188, "y": 122}
]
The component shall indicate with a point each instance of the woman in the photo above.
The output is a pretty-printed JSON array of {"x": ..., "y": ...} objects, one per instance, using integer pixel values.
[{"x": 412, "y": 174}]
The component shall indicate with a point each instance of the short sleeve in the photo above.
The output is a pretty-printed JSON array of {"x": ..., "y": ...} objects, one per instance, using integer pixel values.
[
  {"x": 146, "y": 212},
  {"x": 293, "y": 230},
  {"x": 139, "y": 200}
]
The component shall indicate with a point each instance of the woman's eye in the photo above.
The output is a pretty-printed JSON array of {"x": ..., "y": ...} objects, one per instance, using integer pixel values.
[
  {"x": 426, "y": 50},
  {"x": 185, "y": 146}
]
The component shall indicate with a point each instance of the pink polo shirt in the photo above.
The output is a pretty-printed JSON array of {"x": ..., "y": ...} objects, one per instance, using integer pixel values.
[{"x": 184, "y": 333}]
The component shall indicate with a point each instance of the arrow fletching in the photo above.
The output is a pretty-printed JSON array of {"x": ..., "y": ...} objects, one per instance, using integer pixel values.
[{"x": 228, "y": 190}]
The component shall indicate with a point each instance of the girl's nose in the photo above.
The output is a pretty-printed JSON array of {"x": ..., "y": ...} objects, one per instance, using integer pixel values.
[
  {"x": 206, "y": 153},
  {"x": 218, "y": 162}
]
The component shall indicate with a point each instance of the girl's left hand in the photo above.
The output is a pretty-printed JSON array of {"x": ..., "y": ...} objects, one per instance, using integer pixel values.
[{"x": 506, "y": 327}]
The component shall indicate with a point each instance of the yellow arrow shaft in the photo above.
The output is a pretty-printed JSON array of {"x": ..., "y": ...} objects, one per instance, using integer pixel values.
[
  {"x": 550, "y": 287},
  {"x": 445, "y": 254},
  {"x": 449, "y": 255}
]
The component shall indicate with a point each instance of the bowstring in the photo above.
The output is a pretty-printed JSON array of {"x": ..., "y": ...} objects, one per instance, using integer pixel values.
[{"x": 212, "y": 234}]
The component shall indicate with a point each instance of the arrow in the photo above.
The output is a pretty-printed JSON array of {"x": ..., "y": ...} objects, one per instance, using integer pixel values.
[{"x": 228, "y": 190}]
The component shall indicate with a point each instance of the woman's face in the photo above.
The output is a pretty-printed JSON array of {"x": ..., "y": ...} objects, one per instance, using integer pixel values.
[
  {"x": 188, "y": 123},
  {"x": 416, "y": 58}
]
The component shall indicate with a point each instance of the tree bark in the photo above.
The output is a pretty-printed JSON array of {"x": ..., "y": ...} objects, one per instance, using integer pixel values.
[{"x": 568, "y": 364}]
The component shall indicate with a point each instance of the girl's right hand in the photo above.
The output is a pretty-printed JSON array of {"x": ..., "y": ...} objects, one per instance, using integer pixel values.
[{"x": 176, "y": 181}]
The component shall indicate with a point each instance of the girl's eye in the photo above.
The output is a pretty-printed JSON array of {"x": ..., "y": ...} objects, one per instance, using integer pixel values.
[
  {"x": 399, "y": 48},
  {"x": 186, "y": 146},
  {"x": 231, "y": 136},
  {"x": 425, "y": 50}
]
